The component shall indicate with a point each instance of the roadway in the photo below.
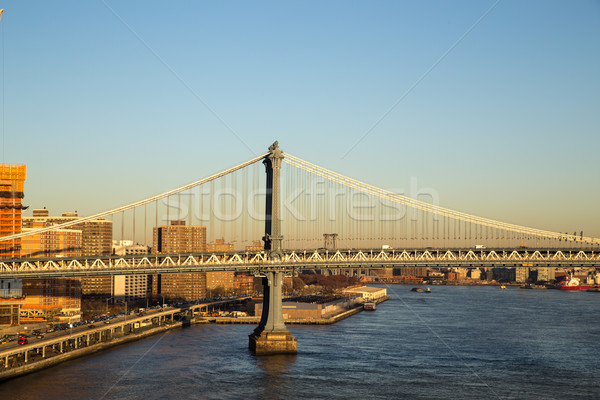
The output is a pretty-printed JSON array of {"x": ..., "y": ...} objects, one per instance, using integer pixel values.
[
  {"x": 257, "y": 263},
  {"x": 102, "y": 324}
]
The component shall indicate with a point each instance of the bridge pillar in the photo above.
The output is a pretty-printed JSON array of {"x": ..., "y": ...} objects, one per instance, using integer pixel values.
[{"x": 271, "y": 336}]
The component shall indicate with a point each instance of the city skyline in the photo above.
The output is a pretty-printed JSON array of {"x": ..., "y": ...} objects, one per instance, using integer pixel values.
[{"x": 490, "y": 104}]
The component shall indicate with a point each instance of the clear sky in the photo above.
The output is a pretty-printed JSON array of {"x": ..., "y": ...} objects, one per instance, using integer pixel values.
[{"x": 494, "y": 105}]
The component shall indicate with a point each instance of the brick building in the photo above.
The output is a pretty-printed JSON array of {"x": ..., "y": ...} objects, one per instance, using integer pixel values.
[
  {"x": 178, "y": 238},
  {"x": 96, "y": 240}
]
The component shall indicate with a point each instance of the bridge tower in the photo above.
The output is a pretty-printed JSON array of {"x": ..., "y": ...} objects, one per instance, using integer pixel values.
[{"x": 271, "y": 336}]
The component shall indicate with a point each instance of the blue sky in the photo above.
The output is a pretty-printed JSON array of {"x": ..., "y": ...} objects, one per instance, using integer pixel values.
[{"x": 109, "y": 102}]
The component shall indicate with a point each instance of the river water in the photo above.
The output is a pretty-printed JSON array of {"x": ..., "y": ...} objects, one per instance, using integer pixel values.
[{"x": 457, "y": 342}]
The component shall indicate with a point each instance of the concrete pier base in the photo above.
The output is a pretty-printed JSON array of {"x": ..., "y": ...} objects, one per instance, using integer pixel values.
[{"x": 270, "y": 343}]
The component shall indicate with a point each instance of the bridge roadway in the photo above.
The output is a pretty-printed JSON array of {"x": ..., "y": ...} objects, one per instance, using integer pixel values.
[
  {"x": 258, "y": 262},
  {"x": 12, "y": 354}
]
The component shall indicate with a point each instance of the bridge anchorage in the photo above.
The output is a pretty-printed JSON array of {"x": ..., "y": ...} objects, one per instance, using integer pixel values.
[{"x": 271, "y": 336}]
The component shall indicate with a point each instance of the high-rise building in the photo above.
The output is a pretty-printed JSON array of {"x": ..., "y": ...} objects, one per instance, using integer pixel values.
[
  {"x": 96, "y": 233},
  {"x": 178, "y": 238},
  {"x": 223, "y": 279},
  {"x": 126, "y": 248},
  {"x": 96, "y": 240},
  {"x": 57, "y": 243},
  {"x": 220, "y": 279},
  {"x": 130, "y": 287},
  {"x": 12, "y": 184},
  {"x": 55, "y": 298},
  {"x": 243, "y": 283}
]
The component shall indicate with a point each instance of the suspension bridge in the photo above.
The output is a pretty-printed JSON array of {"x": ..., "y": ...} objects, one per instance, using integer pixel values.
[{"x": 308, "y": 217}]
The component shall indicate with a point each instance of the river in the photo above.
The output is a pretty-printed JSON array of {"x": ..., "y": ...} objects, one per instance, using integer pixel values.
[{"x": 457, "y": 342}]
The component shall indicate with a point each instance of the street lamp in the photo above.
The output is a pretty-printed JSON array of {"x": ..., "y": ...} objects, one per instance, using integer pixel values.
[{"x": 107, "y": 303}]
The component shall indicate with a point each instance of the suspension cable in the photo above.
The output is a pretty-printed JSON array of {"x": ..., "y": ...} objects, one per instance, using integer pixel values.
[
  {"x": 420, "y": 205},
  {"x": 136, "y": 204}
]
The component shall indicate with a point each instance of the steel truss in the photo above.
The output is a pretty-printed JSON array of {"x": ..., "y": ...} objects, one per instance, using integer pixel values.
[{"x": 258, "y": 262}]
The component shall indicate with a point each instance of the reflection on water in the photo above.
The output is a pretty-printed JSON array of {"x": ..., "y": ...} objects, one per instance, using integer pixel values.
[{"x": 275, "y": 377}]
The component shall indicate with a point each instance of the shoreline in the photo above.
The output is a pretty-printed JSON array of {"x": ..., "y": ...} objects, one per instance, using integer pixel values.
[{"x": 117, "y": 341}]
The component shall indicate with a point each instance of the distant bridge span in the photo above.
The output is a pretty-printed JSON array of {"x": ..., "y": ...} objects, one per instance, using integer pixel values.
[{"x": 257, "y": 262}]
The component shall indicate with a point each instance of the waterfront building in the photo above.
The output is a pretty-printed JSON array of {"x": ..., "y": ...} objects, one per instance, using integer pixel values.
[
  {"x": 522, "y": 275},
  {"x": 475, "y": 274},
  {"x": 461, "y": 273},
  {"x": 504, "y": 274},
  {"x": 368, "y": 293},
  {"x": 545, "y": 274},
  {"x": 411, "y": 272}
]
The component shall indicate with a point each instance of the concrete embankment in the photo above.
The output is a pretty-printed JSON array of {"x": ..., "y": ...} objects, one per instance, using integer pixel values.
[
  {"x": 57, "y": 359},
  {"x": 293, "y": 321}
]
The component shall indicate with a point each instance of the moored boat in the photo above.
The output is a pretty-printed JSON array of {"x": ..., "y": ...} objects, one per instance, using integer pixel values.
[
  {"x": 531, "y": 286},
  {"x": 574, "y": 284},
  {"x": 371, "y": 306}
]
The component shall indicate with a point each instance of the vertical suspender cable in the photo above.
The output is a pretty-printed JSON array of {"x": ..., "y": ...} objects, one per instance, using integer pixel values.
[
  {"x": 190, "y": 209},
  {"x": 211, "y": 208}
]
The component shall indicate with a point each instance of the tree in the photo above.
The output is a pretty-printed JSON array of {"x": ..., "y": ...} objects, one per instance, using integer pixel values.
[{"x": 298, "y": 283}]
